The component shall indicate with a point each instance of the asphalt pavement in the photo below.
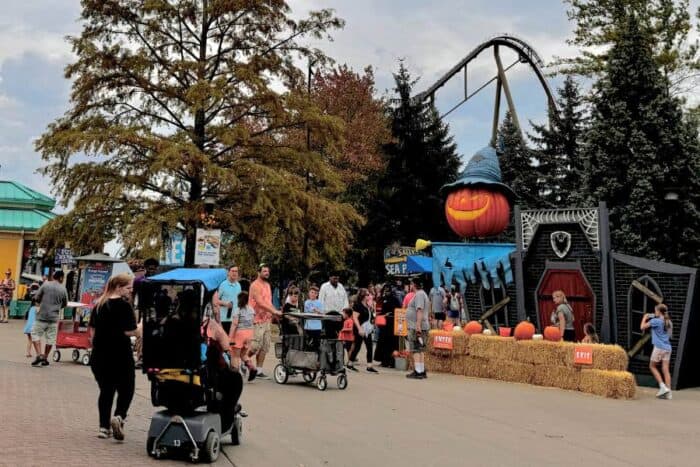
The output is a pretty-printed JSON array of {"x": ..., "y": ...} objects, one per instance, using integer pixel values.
[{"x": 48, "y": 416}]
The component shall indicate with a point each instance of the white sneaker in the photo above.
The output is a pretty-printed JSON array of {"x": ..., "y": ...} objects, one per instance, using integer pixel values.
[
  {"x": 669, "y": 396},
  {"x": 663, "y": 390}
]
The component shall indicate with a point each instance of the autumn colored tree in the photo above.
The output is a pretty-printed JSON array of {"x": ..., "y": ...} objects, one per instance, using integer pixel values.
[
  {"x": 180, "y": 103},
  {"x": 358, "y": 157}
]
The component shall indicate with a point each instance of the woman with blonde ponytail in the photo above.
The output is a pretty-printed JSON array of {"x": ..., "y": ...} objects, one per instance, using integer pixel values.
[
  {"x": 661, "y": 331},
  {"x": 112, "y": 323}
]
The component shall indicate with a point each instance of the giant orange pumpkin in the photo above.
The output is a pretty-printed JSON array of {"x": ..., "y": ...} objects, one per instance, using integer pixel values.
[
  {"x": 524, "y": 331},
  {"x": 477, "y": 212},
  {"x": 552, "y": 333},
  {"x": 473, "y": 327}
]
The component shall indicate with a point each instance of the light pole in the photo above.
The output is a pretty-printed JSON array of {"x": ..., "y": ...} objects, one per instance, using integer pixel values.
[{"x": 305, "y": 247}]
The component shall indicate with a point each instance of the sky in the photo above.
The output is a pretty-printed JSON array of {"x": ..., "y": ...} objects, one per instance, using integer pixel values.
[{"x": 430, "y": 37}]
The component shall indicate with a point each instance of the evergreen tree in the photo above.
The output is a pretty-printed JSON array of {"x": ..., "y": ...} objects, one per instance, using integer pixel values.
[
  {"x": 600, "y": 23},
  {"x": 180, "y": 102},
  {"x": 517, "y": 168},
  {"x": 558, "y": 149},
  {"x": 420, "y": 160},
  {"x": 639, "y": 148}
]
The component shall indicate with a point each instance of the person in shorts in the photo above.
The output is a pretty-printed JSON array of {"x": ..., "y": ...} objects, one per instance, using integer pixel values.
[
  {"x": 52, "y": 297},
  {"x": 418, "y": 323},
  {"x": 241, "y": 336},
  {"x": 260, "y": 300},
  {"x": 438, "y": 298},
  {"x": 7, "y": 288},
  {"x": 661, "y": 331}
]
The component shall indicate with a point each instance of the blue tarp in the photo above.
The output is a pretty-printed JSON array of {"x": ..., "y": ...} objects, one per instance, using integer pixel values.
[
  {"x": 211, "y": 278},
  {"x": 419, "y": 264},
  {"x": 472, "y": 262}
]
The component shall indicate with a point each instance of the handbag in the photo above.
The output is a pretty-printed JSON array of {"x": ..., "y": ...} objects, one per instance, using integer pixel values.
[
  {"x": 367, "y": 327},
  {"x": 380, "y": 320}
]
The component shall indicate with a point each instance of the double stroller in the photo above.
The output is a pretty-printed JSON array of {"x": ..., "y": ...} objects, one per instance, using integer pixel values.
[
  {"x": 300, "y": 352},
  {"x": 187, "y": 369}
]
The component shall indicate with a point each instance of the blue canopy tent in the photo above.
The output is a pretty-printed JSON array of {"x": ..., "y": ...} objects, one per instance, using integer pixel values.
[
  {"x": 472, "y": 262},
  {"x": 210, "y": 278},
  {"x": 419, "y": 264}
]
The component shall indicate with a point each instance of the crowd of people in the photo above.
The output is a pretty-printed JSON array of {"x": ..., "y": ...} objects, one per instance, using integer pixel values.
[{"x": 245, "y": 320}]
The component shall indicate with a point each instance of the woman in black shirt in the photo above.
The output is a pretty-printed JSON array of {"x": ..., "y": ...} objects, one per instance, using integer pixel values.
[
  {"x": 364, "y": 324},
  {"x": 112, "y": 323}
]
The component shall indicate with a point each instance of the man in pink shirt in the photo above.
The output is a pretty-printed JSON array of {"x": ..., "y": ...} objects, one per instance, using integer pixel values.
[{"x": 260, "y": 300}]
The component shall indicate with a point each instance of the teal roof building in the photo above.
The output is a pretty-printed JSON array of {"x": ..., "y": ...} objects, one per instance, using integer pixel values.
[{"x": 23, "y": 209}]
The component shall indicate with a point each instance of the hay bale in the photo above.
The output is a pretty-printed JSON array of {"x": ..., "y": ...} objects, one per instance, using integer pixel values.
[
  {"x": 543, "y": 352},
  {"x": 556, "y": 376},
  {"x": 605, "y": 357},
  {"x": 491, "y": 347},
  {"x": 471, "y": 366},
  {"x": 504, "y": 370},
  {"x": 615, "y": 384},
  {"x": 438, "y": 363},
  {"x": 461, "y": 344}
]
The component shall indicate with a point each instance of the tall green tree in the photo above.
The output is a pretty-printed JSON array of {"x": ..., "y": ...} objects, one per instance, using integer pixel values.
[
  {"x": 518, "y": 169},
  {"x": 600, "y": 23},
  {"x": 559, "y": 149},
  {"x": 419, "y": 161},
  {"x": 179, "y": 102},
  {"x": 641, "y": 148}
]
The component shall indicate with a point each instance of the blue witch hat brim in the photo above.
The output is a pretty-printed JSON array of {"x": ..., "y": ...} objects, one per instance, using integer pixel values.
[
  {"x": 478, "y": 182},
  {"x": 482, "y": 170}
]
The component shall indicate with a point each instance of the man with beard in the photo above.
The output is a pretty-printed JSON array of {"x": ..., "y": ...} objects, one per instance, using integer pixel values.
[{"x": 261, "y": 301}]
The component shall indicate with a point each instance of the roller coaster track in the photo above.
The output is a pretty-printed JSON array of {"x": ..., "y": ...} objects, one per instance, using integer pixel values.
[{"x": 526, "y": 54}]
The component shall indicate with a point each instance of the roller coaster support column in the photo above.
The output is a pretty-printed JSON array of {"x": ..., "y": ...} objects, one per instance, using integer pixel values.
[{"x": 502, "y": 79}]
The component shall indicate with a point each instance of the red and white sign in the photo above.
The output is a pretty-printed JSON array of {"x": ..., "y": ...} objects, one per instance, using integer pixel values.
[
  {"x": 442, "y": 342},
  {"x": 583, "y": 355}
]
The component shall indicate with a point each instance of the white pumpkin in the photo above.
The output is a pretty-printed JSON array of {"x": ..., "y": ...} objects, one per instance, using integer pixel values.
[
  {"x": 537, "y": 337},
  {"x": 487, "y": 332}
]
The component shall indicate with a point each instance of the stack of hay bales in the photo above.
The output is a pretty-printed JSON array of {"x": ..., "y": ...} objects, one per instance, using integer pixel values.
[{"x": 542, "y": 363}]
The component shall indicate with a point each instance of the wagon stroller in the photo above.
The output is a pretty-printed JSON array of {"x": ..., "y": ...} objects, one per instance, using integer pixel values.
[
  {"x": 300, "y": 354},
  {"x": 187, "y": 376},
  {"x": 73, "y": 334}
]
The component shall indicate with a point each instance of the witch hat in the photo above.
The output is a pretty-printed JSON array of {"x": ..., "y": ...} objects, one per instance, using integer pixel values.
[{"x": 481, "y": 170}]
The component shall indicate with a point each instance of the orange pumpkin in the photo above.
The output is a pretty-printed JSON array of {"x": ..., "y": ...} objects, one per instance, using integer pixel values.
[
  {"x": 473, "y": 327},
  {"x": 477, "y": 212},
  {"x": 524, "y": 331},
  {"x": 552, "y": 333}
]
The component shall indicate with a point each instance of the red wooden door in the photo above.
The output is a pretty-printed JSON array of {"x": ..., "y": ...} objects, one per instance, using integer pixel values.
[{"x": 578, "y": 294}]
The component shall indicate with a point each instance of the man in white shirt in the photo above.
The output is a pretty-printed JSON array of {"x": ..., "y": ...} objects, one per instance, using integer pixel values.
[{"x": 333, "y": 295}]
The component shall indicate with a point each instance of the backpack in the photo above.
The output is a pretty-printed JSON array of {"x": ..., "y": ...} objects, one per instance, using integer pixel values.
[{"x": 454, "y": 303}]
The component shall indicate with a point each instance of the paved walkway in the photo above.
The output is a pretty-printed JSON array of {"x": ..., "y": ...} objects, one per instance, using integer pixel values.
[{"x": 48, "y": 416}]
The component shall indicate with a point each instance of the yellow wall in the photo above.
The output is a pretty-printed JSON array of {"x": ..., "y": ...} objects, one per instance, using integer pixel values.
[{"x": 10, "y": 255}]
